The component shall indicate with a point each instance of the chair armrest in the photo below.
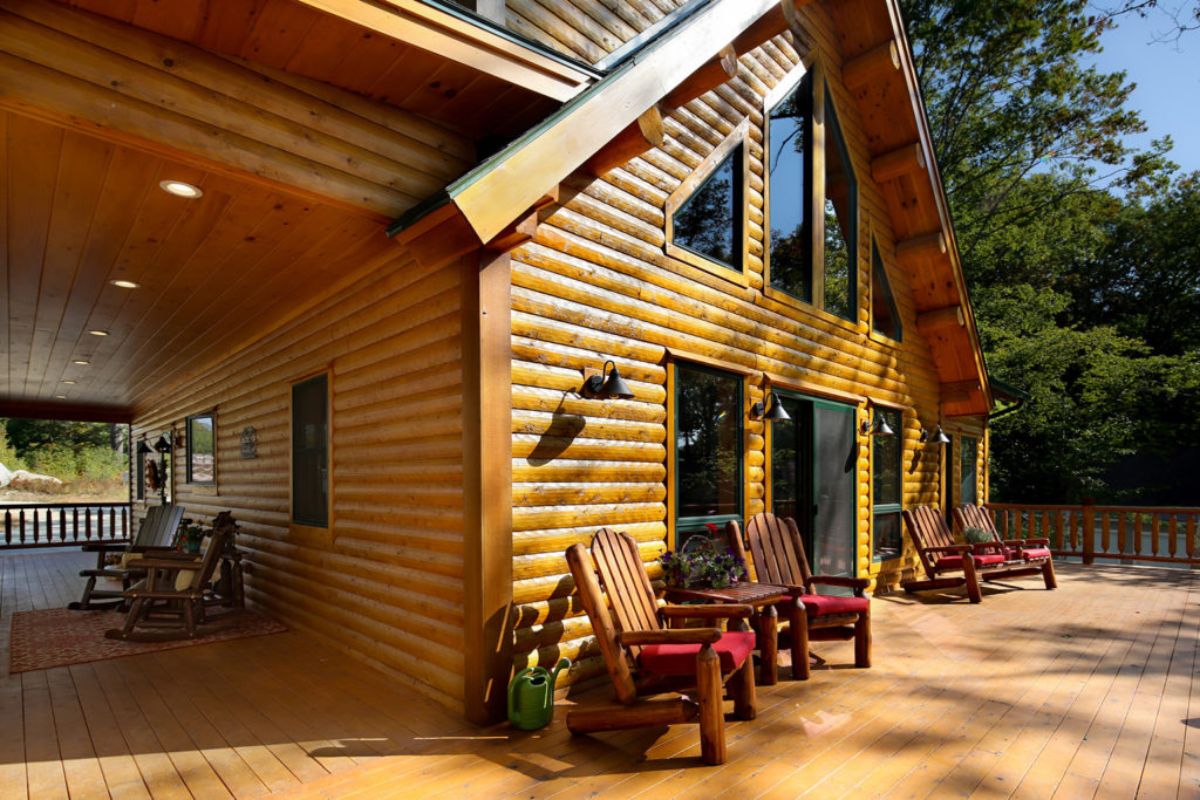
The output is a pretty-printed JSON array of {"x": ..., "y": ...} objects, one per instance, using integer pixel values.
[
  {"x": 985, "y": 547},
  {"x": 168, "y": 563},
  {"x": 859, "y": 585},
  {"x": 709, "y": 611},
  {"x": 953, "y": 549},
  {"x": 670, "y": 636},
  {"x": 1029, "y": 543},
  {"x": 152, "y": 548},
  {"x": 105, "y": 547}
]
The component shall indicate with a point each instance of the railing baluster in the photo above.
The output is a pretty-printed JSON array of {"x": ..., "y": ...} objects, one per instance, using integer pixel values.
[
  {"x": 1154, "y": 530},
  {"x": 87, "y": 524},
  {"x": 112, "y": 523},
  {"x": 7, "y": 526},
  {"x": 36, "y": 525},
  {"x": 1191, "y": 535},
  {"x": 1173, "y": 535},
  {"x": 22, "y": 526}
]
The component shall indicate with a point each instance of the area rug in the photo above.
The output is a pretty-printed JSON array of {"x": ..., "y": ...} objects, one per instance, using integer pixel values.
[{"x": 56, "y": 637}]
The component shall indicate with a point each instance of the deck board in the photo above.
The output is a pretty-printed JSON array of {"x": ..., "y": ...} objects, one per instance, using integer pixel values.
[{"x": 1088, "y": 691}]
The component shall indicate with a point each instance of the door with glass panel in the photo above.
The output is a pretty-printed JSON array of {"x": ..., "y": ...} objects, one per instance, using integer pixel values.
[
  {"x": 813, "y": 460},
  {"x": 708, "y": 450}
]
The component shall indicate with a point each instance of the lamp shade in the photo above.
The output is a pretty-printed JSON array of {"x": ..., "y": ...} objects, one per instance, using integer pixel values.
[
  {"x": 615, "y": 386},
  {"x": 882, "y": 428},
  {"x": 775, "y": 410},
  {"x": 940, "y": 437},
  {"x": 163, "y": 445},
  {"x": 144, "y": 448}
]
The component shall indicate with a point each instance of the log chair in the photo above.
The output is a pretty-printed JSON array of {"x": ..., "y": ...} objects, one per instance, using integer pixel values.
[
  {"x": 157, "y": 533},
  {"x": 1034, "y": 552}
]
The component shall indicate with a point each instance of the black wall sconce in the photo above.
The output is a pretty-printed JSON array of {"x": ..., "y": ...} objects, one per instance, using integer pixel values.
[
  {"x": 162, "y": 446},
  {"x": 877, "y": 428},
  {"x": 771, "y": 411},
  {"x": 937, "y": 437},
  {"x": 608, "y": 384}
]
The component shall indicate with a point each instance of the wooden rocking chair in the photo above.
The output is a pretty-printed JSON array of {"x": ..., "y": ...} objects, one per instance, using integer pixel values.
[
  {"x": 171, "y": 602},
  {"x": 779, "y": 558},
  {"x": 645, "y": 657},
  {"x": 941, "y": 556},
  {"x": 1028, "y": 551},
  {"x": 156, "y": 534}
]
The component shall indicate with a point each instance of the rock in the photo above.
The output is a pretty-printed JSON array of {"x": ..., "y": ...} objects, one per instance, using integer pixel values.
[
  {"x": 25, "y": 481},
  {"x": 5, "y": 476}
]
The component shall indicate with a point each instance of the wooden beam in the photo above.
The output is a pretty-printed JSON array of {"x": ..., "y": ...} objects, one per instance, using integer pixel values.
[
  {"x": 487, "y": 484},
  {"x": 524, "y": 228},
  {"x": 784, "y": 16},
  {"x": 899, "y": 162},
  {"x": 940, "y": 318},
  {"x": 958, "y": 391},
  {"x": 719, "y": 69},
  {"x": 64, "y": 409},
  {"x": 875, "y": 64},
  {"x": 913, "y": 251},
  {"x": 640, "y": 136}
]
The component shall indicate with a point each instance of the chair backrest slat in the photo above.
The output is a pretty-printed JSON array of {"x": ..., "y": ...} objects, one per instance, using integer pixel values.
[
  {"x": 973, "y": 516},
  {"x": 777, "y": 550},
  {"x": 159, "y": 526},
  {"x": 927, "y": 528},
  {"x": 625, "y": 580}
]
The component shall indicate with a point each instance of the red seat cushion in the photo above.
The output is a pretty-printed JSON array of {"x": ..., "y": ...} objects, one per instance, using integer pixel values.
[
  {"x": 828, "y": 605},
  {"x": 956, "y": 562},
  {"x": 733, "y": 648},
  {"x": 1036, "y": 552}
]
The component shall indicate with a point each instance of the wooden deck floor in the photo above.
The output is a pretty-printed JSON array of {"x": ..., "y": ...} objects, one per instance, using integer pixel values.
[{"x": 1086, "y": 691}]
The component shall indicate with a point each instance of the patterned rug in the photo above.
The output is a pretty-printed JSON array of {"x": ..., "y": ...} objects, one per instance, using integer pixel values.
[{"x": 56, "y": 637}]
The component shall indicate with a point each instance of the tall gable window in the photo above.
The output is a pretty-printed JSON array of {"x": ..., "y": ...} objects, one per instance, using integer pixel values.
[
  {"x": 708, "y": 449},
  {"x": 884, "y": 317},
  {"x": 841, "y": 220},
  {"x": 788, "y": 136}
]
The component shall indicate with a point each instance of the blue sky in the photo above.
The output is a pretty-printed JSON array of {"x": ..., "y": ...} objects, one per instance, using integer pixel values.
[{"x": 1168, "y": 81}]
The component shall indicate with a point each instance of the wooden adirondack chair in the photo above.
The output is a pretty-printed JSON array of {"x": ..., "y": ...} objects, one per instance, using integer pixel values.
[
  {"x": 942, "y": 557},
  {"x": 157, "y": 533},
  {"x": 778, "y": 558},
  {"x": 170, "y": 602},
  {"x": 644, "y": 657},
  {"x": 1028, "y": 551}
]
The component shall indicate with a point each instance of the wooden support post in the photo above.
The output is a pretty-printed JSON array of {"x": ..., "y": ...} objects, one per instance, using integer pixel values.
[
  {"x": 898, "y": 163},
  {"x": 1089, "y": 531},
  {"x": 644, "y": 133},
  {"x": 720, "y": 69},
  {"x": 487, "y": 483},
  {"x": 785, "y": 16},
  {"x": 911, "y": 252},
  {"x": 875, "y": 64}
]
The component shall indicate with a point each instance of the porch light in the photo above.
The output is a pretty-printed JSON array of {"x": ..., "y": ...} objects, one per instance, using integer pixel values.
[
  {"x": 181, "y": 189},
  {"x": 878, "y": 428},
  {"x": 125, "y": 284},
  {"x": 60, "y": 397},
  {"x": 771, "y": 411},
  {"x": 939, "y": 436},
  {"x": 69, "y": 383},
  {"x": 143, "y": 448},
  {"x": 163, "y": 445},
  {"x": 608, "y": 384},
  {"x": 81, "y": 362},
  {"x": 98, "y": 333}
]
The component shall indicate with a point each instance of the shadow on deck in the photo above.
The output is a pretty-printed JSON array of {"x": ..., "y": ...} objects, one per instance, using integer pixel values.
[{"x": 1032, "y": 693}]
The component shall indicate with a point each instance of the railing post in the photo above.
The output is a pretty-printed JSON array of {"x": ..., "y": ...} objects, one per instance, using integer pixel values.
[{"x": 1089, "y": 531}]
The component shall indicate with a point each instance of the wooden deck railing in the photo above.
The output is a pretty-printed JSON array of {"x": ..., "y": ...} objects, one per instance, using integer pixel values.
[
  {"x": 62, "y": 524},
  {"x": 1127, "y": 534}
]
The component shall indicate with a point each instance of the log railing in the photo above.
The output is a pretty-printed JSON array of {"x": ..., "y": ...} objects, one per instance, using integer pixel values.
[
  {"x": 1124, "y": 534},
  {"x": 62, "y": 524}
]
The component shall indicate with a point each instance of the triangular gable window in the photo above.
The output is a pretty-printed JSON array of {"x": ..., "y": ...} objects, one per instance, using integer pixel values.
[
  {"x": 709, "y": 222},
  {"x": 884, "y": 318},
  {"x": 841, "y": 221}
]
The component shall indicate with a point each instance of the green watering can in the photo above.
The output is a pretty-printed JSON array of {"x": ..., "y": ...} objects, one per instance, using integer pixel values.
[{"x": 531, "y": 696}]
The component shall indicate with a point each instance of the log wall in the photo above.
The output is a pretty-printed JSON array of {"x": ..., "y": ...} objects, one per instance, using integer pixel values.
[
  {"x": 385, "y": 580},
  {"x": 596, "y": 284}
]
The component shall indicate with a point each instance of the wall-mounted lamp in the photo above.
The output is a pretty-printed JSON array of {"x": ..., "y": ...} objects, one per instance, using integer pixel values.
[
  {"x": 771, "y": 411},
  {"x": 162, "y": 446},
  {"x": 877, "y": 428},
  {"x": 938, "y": 437},
  {"x": 608, "y": 384},
  {"x": 143, "y": 448}
]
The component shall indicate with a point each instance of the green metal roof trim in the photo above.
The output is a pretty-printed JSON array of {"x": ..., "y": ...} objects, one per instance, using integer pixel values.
[{"x": 444, "y": 196}]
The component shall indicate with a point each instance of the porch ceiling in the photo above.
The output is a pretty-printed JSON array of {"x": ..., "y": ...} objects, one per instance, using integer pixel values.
[{"x": 214, "y": 273}]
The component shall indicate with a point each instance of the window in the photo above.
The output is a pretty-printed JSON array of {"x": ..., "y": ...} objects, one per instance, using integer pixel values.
[
  {"x": 969, "y": 453},
  {"x": 788, "y": 137},
  {"x": 888, "y": 475},
  {"x": 709, "y": 222},
  {"x": 841, "y": 221},
  {"x": 310, "y": 452},
  {"x": 884, "y": 319},
  {"x": 201, "y": 451},
  {"x": 708, "y": 449}
]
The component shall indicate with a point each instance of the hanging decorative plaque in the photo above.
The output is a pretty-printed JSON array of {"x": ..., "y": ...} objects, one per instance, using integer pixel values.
[{"x": 249, "y": 442}]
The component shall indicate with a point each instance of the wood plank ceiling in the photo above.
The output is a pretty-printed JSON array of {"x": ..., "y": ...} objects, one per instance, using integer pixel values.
[{"x": 77, "y": 212}]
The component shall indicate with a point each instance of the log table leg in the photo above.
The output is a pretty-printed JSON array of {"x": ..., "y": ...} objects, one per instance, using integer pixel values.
[{"x": 768, "y": 644}]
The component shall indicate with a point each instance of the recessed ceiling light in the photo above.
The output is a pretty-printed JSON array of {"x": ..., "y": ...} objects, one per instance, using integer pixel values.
[
  {"x": 81, "y": 362},
  {"x": 69, "y": 383},
  {"x": 60, "y": 397},
  {"x": 98, "y": 333},
  {"x": 181, "y": 189},
  {"x": 125, "y": 284}
]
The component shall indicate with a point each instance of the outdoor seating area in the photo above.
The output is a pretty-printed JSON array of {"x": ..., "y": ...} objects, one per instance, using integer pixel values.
[{"x": 1032, "y": 694}]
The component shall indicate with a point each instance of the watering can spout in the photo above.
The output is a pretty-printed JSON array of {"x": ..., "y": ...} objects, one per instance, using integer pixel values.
[{"x": 563, "y": 663}]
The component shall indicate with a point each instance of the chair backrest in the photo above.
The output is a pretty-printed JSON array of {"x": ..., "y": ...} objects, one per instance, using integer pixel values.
[
  {"x": 776, "y": 549},
  {"x": 973, "y": 516},
  {"x": 159, "y": 526},
  {"x": 615, "y": 559},
  {"x": 212, "y": 556},
  {"x": 927, "y": 528}
]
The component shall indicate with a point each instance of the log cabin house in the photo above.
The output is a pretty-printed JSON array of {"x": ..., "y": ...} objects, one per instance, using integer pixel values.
[{"x": 356, "y": 259}]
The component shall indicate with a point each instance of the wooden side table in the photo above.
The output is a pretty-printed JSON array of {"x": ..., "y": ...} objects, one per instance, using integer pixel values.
[{"x": 763, "y": 597}]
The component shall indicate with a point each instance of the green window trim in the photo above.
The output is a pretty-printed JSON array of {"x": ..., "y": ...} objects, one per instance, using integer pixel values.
[{"x": 730, "y": 167}]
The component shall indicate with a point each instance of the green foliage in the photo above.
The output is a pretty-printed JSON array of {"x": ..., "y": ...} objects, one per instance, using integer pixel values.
[
  {"x": 977, "y": 536},
  {"x": 8, "y": 454}
]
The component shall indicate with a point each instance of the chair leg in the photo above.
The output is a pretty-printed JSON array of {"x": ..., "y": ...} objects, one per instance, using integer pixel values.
[
  {"x": 84, "y": 603},
  {"x": 799, "y": 623},
  {"x": 745, "y": 696},
  {"x": 712, "y": 712},
  {"x": 768, "y": 644},
  {"x": 862, "y": 641},
  {"x": 974, "y": 593},
  {"x": 1048, "y": 574},
  {"x": 131, "y": 619},
  {"x": 189, "y": 619}
]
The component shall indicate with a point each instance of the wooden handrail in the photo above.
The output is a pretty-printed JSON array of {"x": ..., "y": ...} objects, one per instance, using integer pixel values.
[{"x": 62, "y": 524}]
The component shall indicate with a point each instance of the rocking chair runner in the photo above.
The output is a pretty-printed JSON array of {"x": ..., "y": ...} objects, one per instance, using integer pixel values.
[
  {"x": 941, "y": 555},
  {"x": 779, "y": 558},
  {"x": 644, "y": 657},
  {"x": 171, "y": 601},
  {"x": 157, "y": 533},
  {"x": 1030, "y": 551}
]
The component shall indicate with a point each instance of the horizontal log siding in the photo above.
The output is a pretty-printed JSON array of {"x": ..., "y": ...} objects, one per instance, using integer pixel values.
[
  {"x": 584, "y": 29},
  {"x": 386, "y": 580},
  {"x": 595, "y": 284}
]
